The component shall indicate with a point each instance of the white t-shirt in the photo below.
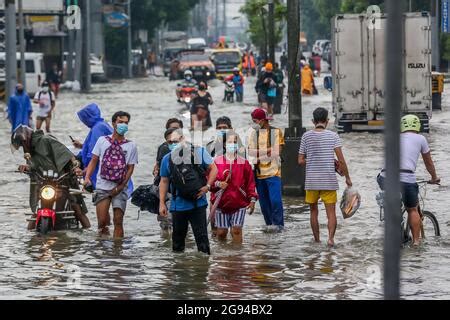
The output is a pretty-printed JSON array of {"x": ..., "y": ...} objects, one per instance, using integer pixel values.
[
  {"x": 412, "y": 145},
  {"x": 131, "y": 157},
  {"x": 44, "y": 98}
]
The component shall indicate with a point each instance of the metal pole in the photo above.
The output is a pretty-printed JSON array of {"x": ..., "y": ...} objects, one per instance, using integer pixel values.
[
  {"x": 410, "y": 5},
  {"x": 224, "y": 16},
  {"x": 217, "y": 19},
  {"x": 130, "y": 67},
  {"x": 271, "y": 31},
  {"x": 22, "y": 46},
  {"x": 11, "y": 48},
  {"x": 86, "y": 48},
  {"x": 394, "y": 97},
  {"x": 438, "y": 36},
  {"x": 78, "y": 50}
]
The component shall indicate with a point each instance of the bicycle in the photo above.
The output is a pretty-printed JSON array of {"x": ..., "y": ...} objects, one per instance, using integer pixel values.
[{"x": 429, "y": 223}]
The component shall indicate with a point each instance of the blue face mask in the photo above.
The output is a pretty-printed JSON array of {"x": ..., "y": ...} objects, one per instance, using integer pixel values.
[
  {"x": 232, "y": 148},
  {"x": 173, "y": 146},
  {"x": 221, "y": 133},
  {"x": 122, "y": 129}
]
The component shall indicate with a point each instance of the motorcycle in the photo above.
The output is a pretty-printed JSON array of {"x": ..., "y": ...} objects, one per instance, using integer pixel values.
[
  {"x": 187, "y": 95},
  {"x": 52, "y": 213},
  {"x": 229, "y": 91}
]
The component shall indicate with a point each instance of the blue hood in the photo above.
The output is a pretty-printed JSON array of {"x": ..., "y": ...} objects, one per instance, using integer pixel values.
[{"x": 90, "y": 115}]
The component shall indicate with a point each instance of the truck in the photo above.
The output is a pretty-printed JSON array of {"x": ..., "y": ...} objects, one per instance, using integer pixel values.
[
  {"x": 171, "y": 43},
  {"x": 358, "y": 70}
]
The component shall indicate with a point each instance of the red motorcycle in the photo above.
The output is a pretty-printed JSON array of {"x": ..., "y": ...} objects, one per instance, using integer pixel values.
[{"x": 187, "y": 95}]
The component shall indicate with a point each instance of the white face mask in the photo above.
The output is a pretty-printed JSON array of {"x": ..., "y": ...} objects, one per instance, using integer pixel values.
[{"x": 45, "y": 89}]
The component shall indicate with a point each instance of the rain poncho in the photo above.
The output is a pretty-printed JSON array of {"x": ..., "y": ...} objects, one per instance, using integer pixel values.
[
  {"x": 91, "y": 117},
  {"x": 47, "y": 153},
  {"x": 307, "y": 80},
  {"x": 19, "y": 110}
]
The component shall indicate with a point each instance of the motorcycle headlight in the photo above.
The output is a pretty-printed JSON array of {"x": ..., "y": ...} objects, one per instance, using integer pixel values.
[
  {"x": 208, "y": 73},
  {"x": 48, "y": 193},
  {"x": 187, "y": 99}
]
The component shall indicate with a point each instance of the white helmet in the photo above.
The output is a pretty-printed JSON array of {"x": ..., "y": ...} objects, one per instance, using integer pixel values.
[
  {"x": 236, "y": 69},
  {"x": 188, "y": 73}
]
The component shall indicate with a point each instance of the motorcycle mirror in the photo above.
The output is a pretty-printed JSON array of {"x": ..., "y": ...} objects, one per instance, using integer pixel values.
[{"x": 50, "y": 173}]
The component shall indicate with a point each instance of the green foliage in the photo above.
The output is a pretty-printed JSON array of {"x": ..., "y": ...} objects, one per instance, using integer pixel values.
[
  {"x": 257, "y": 15},
  {"x": 147, "y": 14}
]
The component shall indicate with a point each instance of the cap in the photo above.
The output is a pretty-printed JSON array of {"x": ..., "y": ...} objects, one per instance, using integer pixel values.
[{"x": 259, "y": 114}]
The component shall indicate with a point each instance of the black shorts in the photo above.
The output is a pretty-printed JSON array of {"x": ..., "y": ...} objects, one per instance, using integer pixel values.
[
  {"x": 410, "y": 192},
  {"x": 264, "y": 98}
]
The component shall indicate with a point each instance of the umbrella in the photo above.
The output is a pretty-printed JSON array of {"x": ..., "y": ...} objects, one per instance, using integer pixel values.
[{"x": 212, "y": 213}]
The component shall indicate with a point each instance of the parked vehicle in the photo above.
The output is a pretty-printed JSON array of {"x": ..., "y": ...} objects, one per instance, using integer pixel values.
[
  {"x": 359, "y": 74},
  {"x": 172, "y": 42},
  {"x": 225, "y": 60},
  {"x": 319, "y": 47},
  {"x": 96, "y": 65},
  {"x": 198, "y": 62},
  {"x": 197, "y": 43},
  {"x": 34, "y": 68}
]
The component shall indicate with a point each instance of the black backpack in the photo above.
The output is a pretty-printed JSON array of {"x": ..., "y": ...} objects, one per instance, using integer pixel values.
[{"x": 187, "y": 178}]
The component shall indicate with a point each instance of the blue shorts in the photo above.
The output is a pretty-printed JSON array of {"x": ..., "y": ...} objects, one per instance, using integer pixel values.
[
  {"x": 225, "y": 221},
  {"x": 410, "y": 192}
]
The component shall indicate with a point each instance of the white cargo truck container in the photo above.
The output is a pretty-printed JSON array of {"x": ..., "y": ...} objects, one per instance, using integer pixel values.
[{"x": 358, "y": 69}]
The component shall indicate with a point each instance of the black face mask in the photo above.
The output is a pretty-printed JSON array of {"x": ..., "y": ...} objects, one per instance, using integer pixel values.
[
  {"x": 19, "y": 91},
  {"x": 202, "y": 88}
]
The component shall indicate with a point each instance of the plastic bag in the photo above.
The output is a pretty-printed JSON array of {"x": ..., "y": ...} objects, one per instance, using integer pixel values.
[{"x": 350, "y": 203}]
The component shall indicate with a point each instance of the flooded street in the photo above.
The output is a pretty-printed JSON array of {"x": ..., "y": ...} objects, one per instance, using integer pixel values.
[{"x": 80, "y": 265}]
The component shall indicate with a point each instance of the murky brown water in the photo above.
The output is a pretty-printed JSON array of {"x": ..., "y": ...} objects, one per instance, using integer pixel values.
[{"x": 78, "y": 264}]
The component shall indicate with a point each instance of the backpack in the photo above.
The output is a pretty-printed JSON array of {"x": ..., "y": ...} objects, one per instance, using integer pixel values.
[
  {"x": 187, "y": 178},
  {"x": 114, "y": 164},
  {"x": 49, "y": 94}
]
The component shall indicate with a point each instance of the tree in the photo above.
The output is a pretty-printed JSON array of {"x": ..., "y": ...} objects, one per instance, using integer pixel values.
[
  {"x": 147, "y": 15},
  {"x": 256, "y": 12}
]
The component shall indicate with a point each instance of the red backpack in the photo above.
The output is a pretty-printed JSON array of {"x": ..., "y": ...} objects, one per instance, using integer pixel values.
[{"x": 114, "y": 164}]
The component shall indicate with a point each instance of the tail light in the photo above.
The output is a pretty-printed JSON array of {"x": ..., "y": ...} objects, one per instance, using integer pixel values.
[{"x": 39, "y": 80}]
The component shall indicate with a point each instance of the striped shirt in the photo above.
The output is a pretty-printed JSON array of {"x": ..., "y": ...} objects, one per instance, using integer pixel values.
[{"x": 318, "y": 148}]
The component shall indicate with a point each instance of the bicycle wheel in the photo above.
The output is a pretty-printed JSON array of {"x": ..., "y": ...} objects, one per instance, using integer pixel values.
[{"x": 430, "y": 225}]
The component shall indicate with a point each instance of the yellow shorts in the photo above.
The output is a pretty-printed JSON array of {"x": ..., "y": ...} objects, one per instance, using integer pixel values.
[{"x": 327, "y": 196}]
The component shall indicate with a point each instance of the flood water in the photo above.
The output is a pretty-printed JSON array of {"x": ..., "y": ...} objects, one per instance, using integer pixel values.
[{"x": 81, "y": 265}]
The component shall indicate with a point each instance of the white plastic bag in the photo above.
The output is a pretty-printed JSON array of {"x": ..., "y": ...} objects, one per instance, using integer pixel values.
[{"x": 350, "y": 203}]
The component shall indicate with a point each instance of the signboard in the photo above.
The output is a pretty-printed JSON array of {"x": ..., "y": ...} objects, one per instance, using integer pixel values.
[
  {"x": 117, "y": 20},
  {"x": 445, "y": 17},
  {"x": 38, "y": 6}
]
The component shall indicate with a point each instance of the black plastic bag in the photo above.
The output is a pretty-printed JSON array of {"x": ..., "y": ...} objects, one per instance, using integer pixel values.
[{"x": 146, "y": 198}]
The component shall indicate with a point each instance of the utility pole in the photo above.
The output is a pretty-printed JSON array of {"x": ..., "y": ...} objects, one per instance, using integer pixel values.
[
  {"x": 435, "y": 34},
  {"x": 271, "y": 31},
  {"x": 130, "y": 67},
  {"x": 78, "y": 38},
  {"x": 394, "y": 98},
  {"x": 293, "y": 176},
  {"x": 224, "y": 17},
  {"x": 71, "y": 50},
  {"x": 11, "y": 48},
  {"x": 22, "y": 46},
  {"x": 216, "y": 3},
  {"x": 86, "y": 47}
]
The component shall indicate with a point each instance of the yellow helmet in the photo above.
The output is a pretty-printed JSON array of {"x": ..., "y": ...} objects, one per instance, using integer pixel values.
[{"x": 410, "y": 122}]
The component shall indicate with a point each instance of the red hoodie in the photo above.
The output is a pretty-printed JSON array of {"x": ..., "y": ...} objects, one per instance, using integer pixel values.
[{"x": 241, "y": 187}]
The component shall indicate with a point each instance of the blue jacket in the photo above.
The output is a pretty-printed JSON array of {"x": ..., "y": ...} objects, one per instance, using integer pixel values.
[
  {"x": 91, "y": 117},
  {"x": 19, "y": 110}
]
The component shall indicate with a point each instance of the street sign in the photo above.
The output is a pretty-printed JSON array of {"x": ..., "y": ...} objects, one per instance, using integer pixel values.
[
  {"x": 445, "y": 16},
  {"x": 117, "y": 20}
]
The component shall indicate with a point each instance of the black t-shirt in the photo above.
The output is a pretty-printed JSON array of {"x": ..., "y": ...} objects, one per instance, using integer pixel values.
[
  {"x": 204, "y": 101},
  {"x": 163, "y": 150}
]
